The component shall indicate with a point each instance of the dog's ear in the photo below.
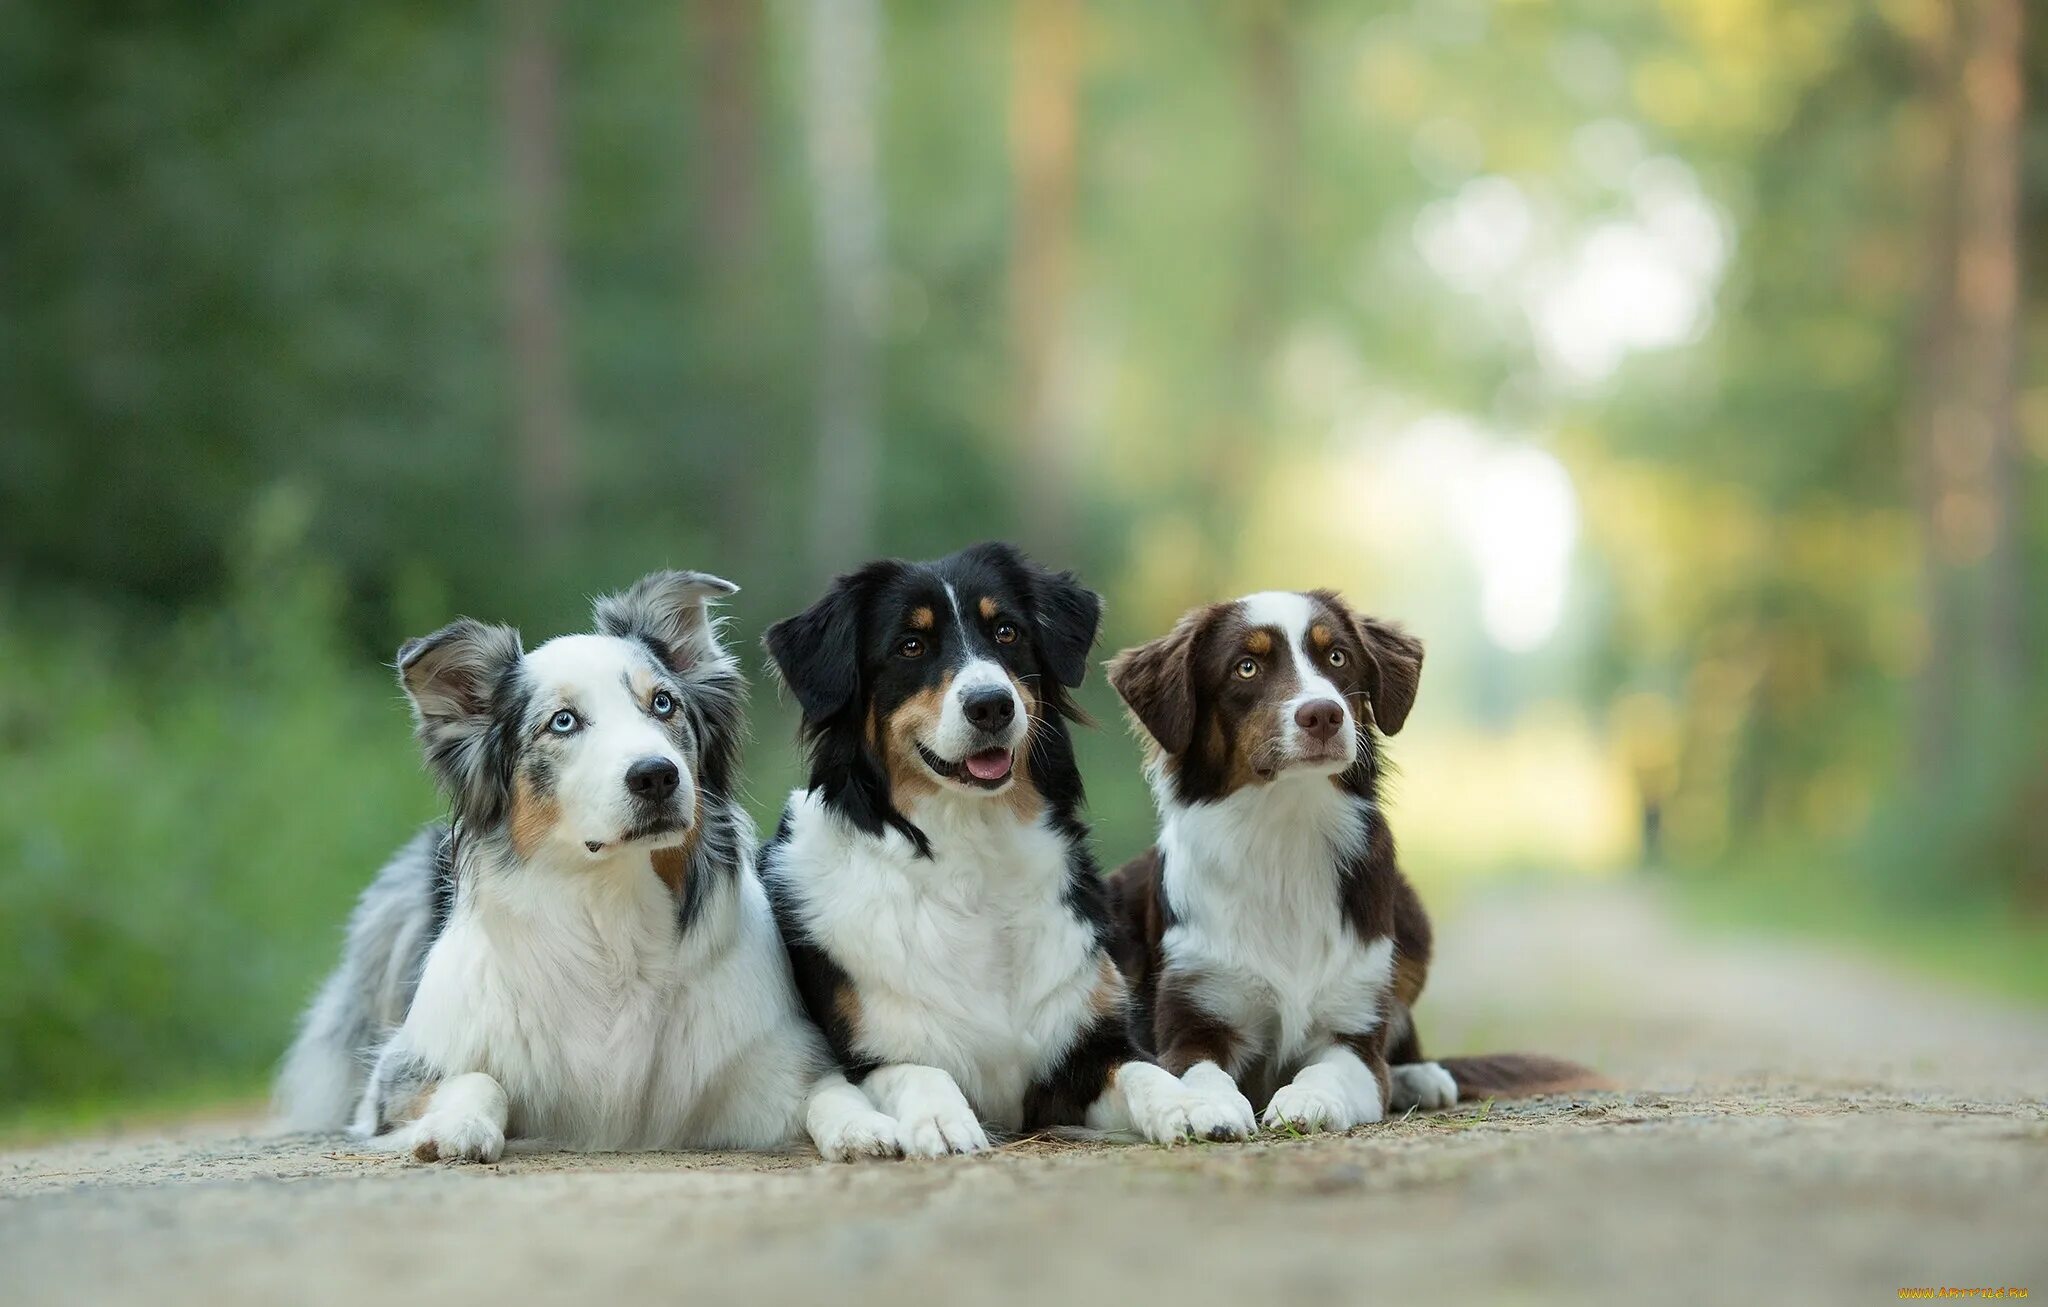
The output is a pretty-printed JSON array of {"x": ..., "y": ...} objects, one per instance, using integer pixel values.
[
  {"x": 454, "y": 673},
  {"x": 453, "y": 679},
  {"x": 817, "y": 652},
  {"x": 1156, "y": 681},
  {"x": 1069, "y": 616},
  {"x": 1393, "y": 673},
  {"x": 670, "y": 613}
]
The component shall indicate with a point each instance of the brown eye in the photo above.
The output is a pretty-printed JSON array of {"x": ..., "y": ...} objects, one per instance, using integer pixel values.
[
  {"x": 1337, "y": 658},
  {"x": 1247, "y": 668},
  {"x": 910, "y": 647},
  {"x": 1005, "y": 633}
]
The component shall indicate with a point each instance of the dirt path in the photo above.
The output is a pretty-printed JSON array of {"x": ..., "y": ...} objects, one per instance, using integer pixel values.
[{"x": 1804, "y": 1129}]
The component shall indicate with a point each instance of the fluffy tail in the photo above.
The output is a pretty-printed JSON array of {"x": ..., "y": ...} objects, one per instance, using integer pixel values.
[
  {"x": 323, "y": 1075},
  {"x": 1519, "y": 1075}
]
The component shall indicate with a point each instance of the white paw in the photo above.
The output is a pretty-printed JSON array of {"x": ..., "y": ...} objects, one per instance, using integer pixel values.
[
  {"x": 457, "y": 1137},
  {"x": 1306, "y": 1108},
  {"x": 1164, "y": 1118},
  {"x": 1424, "y": 1085},
  {"x": 940, "y": 1129},
  {"x": 862, "y": 1134},
  {"x": 1219, "y": 1112}
]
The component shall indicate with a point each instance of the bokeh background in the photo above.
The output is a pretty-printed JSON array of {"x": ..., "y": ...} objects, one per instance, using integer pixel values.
[{"x": 1673, "y": 368}]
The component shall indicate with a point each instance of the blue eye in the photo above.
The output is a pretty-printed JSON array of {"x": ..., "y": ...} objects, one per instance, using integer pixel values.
[
  {"x": 663, "y": 703},
  {"x": 564, "y": 722}
]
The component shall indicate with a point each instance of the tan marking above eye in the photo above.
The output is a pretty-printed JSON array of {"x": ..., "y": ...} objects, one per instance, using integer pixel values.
[
  {"x": 1259, "y": 642},
  {"x": 988, "y": 609},
  {"x": 1320, "y": 635},
  {"x": 1247, "y": 668},
  {"x": 921, "y": 618}
]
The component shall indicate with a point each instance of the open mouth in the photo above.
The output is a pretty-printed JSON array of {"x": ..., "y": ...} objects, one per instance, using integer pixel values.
[
  {"x": 645, "y": 831},
  {"x": 986, "y": 769}
]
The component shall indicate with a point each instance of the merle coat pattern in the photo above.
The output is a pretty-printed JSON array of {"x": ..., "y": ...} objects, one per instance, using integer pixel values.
[{"x": 583, "y": 953}]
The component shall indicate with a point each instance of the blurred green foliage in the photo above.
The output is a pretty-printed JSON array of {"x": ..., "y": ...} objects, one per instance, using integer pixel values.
[
  {"x": 185, "y": 814},
  {"x": 266, "y": 408}
]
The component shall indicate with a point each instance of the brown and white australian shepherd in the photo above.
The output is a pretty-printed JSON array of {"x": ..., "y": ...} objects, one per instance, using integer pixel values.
[{"x": 1269, "y": 932}]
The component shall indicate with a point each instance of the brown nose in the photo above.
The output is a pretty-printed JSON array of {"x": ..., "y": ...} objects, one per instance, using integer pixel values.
[{"x": 1320, "y": 718}]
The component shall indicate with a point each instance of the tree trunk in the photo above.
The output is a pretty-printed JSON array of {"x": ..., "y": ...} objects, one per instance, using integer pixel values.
[
  {"x": 843, "y": 65},
  {"x": 1044, "y": 89},
  {"x": 728, "y": 42},
  {"x": 728, "y": 38},
  {"x": 1965, "y": 457},
  {"x": 1934, "y": 705},
  {"x": 1272, "y": 87},
  {"x": 543, "y": 421},
  {"x": 1987, "y": 316},
  {"x": 1270, "y": 91}
]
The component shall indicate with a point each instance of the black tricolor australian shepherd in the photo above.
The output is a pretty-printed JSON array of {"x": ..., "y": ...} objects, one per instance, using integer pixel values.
[
  {"x": 933, "y": 883},
  {"x": 583, "y": 954},
  {"x": 1269, "y": 932}
]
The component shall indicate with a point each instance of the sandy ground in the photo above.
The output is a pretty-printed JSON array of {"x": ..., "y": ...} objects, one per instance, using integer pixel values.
[{"x": 1799, "y": 1127}]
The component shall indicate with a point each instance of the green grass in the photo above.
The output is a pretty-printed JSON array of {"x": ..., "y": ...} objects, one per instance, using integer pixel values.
[
  {"x": 185, "y": 816},
  {"x": 145, "y": 1109}
]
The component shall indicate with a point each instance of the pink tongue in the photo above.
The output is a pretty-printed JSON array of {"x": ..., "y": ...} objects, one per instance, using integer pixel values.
[{"x": 989, "y": 764}]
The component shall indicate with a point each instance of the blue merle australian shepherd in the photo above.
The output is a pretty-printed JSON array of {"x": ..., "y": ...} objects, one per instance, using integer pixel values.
[
  {"x": 933, "y": 883},
  {"x": 583, "y": 954}
]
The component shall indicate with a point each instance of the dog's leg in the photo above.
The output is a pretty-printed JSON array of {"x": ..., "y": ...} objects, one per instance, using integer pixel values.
[
  {"x": 1103, "y": 1083},
  {"x": 933, "y": 1118},
  {"x": 1414, "y": 1082},
  {"x": 1201, "y": 1049},
  {"x": 1343, "y": 1086},
  {"x": 1421, "y": 1085},
  {"x": 464, "y": 1121},
  {"x": 1220, "y": 1110},
  {"x": 1148, "y": 1098},
  {"x": 845, "y": 1125}
]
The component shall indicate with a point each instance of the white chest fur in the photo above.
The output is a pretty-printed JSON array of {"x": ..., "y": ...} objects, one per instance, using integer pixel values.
[
  {"x": 970, "y": 960},
  {"x": 605, "y": 1026},
  {"x": 1253, "y": 884}
]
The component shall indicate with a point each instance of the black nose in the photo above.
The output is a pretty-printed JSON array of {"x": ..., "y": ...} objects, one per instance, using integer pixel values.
[
  {"x": 1320, "y": 718},
  {"x": 989, "y": 710},
  {"x": 653, "y": 779}
]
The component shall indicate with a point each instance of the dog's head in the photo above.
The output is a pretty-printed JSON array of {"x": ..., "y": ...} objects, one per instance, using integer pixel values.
[
  {"x": 1271, "y": 686},
  {"x": 592, "y": 744},
  {"x": 945, "y": 678}
]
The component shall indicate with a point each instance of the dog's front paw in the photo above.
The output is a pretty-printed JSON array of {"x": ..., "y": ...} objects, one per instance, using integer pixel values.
[
  {"x": 939, "y": 1129},
  {"x": 1165, "y": 1119},
  {"x": 1218, "y": 1111},
  {"x": 451, "y": 1137},
  {"x": 1306, "y": 1108},
  {"x": 1424, "y": 1085},
  {"x": 863, "y": 1134}
]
